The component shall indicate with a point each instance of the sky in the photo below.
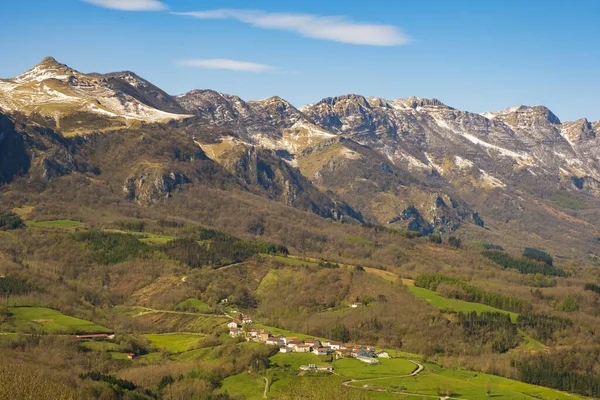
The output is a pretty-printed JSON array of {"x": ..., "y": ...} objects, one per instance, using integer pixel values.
[{"x": 474, "y": 55}]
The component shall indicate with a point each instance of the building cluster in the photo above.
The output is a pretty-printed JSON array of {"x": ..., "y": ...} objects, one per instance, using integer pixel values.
[{"x": 310, "y": 345}]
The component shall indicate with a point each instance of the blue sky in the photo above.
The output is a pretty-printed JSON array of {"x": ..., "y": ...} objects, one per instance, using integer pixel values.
[{"x": 473, "y": 55}]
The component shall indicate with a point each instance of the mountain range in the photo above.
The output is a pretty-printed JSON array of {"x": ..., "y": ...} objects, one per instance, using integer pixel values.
[{"x": 517, "y": 176}]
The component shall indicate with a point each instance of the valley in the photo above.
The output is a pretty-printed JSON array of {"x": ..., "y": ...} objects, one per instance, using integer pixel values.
[{"x": 136, "y": 226}]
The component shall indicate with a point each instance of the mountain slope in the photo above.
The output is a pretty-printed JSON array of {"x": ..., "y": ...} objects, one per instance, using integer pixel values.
[
  {"x": 516, "y": 175},
  {"x": 80, "y": 103}
]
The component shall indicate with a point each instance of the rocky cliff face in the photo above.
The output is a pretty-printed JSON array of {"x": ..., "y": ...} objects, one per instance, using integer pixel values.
[{"x": 411, "y": 163}]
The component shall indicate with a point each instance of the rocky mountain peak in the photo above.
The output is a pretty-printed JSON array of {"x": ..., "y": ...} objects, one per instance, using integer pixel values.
[
  {"x": 48, "y": 68},
  {"x": 525, "y": 113},
  {"x": 344, "y": 100},
  {"x": 418, "y": 102}
]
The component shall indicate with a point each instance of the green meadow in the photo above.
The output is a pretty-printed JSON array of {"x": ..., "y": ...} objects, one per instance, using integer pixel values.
[
  {"x": 60, "y": 223},
  {"x": 295, "y": 360},
  {"x": 457, "y": 305},
  {"x": 245, "y": 385},
  {"x": 356, "y": 369},
  {"x": 41, "y": 319},
  {"x": 194, "y": 305},
  {"x": 174, "y": 342},
  {"x": 459, "y": 383}
]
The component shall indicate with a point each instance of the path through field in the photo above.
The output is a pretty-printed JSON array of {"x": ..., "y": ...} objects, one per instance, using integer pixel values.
[{"x": 419, "y": 369}]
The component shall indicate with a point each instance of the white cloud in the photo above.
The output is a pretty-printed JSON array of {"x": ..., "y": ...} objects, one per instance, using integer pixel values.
[
  {"x": 232, "y": 65},
  {"x": 339, "y": 29},
  {"x": 130, "y": 5}
]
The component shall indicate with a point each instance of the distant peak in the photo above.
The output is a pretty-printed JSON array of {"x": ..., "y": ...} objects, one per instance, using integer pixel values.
[
  {"x": 48, "y": 59},
  {"x": 347, "y": 98},
  {"x": 540, "y": 111},
  {"x": 46, "y": 69},
  {"x": 415, "y": 102},
  {"x": 50, "y": 62}
]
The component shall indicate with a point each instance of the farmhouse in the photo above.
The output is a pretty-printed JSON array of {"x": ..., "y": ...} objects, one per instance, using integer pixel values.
[
  {"x": 233, "y": 324},
  {"x": 382, "y": 354},
  {"x": 130, "y": 356},
  {"x": 368, "y": 360},
  {"x": 96, "y": 336},
  {"x": 285, "y": 350},
  {"x": 293, "y": 343},
  {"x": 235, "y": 332},
  {"x": 319, "y": 368},
  {"x": 312, "y": 341},
  {"x": 321, "y": 351},
  {"x": 356, "y": 305},
  {"x": 275, "y": 341},
  {"x": 303, "y": 348},
  {"x": 264, "y": 335},
  {"x": 334, "y": 345},
  {"x": 286, "y": 340}
]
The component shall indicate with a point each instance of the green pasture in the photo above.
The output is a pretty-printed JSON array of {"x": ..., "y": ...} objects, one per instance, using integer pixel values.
[
  {"x": 356, "y": 369},
  {"x": 51, "y": 321}
]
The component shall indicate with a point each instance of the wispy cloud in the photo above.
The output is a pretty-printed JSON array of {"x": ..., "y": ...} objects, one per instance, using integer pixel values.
[
  {"x": 336, "y": 28},
  {"x": 232, "y": 65},
  {"x": 130, "y": 5}
]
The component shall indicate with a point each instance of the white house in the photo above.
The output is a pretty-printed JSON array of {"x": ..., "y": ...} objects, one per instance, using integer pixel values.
[
  {"x": 275, "y": 341},
  {"x": 334, "y": 345},
  {"x": 368, "y": 360},
  {"x": 321, "y": 351},
  {"x": 356, "y": 305},
  {"x": 313, "y": 367},
  {"x": 303, "y": 348},
  {"x": 232, "y": 325},
  {"x": 382, "y": 354},
  {"x": 285, "y": 350},
  {"x": 313, "y": 342},
  {"x": 235, "y": 332}
]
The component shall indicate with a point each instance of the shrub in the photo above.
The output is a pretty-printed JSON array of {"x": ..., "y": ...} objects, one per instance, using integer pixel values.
[
  {"x": 523, "y": 265},
  {"x": 434, "y": 238},
  {"x": 112, "y": 247},
  {"x": 9, "y": 220},
  {"x": 454, "y": 242},
  {"x": 569, "y": 304},
  {"x": 538, "y": 255},
  {"x": 132, "y": 225},
  {"x": 470, "y": 293}
]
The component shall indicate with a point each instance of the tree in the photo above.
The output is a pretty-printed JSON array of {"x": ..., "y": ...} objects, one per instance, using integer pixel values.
[
  {"x": 434, "y": 238},
  {"x": 340, "y": 333},
  {"x": 569, "y": 304},
  {"x": 454, "y": 242},
  {"x": 9, "y": 220}
]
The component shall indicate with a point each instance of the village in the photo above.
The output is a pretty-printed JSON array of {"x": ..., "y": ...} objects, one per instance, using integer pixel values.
[{"x": 370, "y": 355}]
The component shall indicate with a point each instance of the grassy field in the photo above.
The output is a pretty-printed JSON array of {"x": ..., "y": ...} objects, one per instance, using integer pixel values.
[
  {"x": 295, "y": 360},
  {"x": 466, "y": 385},
  {"x": 291, "y": 260},
  {"x": 244, "y": 385},
  {"x": 152, "y": 238},
  {"x": 60, "y": 223},
  {"x": 457, "y": 305},
  {"x": 356, "y": 369},
  {"x": 194, "y": 305},
  {"x": 51, "y": 321},
  {"x": 174, "y": 342},
  {"x": 441, "y": 302}
]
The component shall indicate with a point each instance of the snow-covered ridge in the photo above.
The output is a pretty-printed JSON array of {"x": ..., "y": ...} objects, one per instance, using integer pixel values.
[{"x": 54, "y": 88}]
